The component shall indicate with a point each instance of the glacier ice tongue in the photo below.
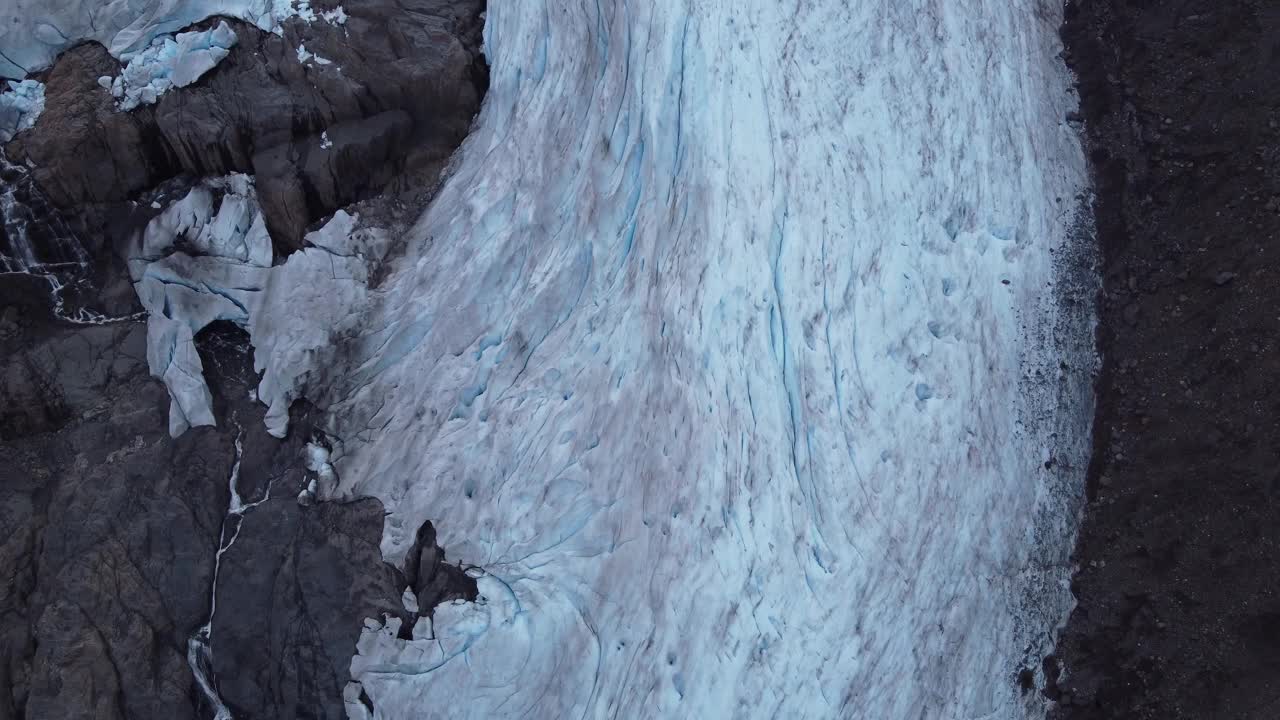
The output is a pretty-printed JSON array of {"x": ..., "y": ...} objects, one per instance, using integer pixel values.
[
  {"x": 20, "y": 106},
  {"x": 654, "y": 359}
]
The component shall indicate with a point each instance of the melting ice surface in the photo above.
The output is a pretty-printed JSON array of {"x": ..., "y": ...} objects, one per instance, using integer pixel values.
[{"x": 731, "y": 350}]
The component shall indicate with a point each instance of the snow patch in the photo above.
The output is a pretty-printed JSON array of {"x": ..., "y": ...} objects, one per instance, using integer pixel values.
[
  {"x": 336, "y": 16},
  {"x": 294, "y": 8},
  {"x": 306, "y": 56}
]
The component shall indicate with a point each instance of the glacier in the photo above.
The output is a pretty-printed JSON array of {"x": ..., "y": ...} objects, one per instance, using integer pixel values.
[{"x": 740, "y": 351}]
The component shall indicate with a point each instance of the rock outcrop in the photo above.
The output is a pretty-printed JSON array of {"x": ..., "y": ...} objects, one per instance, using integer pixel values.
[
  {"x": 295, "y": 580},
  {"x": 388, "y": 92},
  {"x": 107, "y": 526},
  {"x": 109, "y": 530}
]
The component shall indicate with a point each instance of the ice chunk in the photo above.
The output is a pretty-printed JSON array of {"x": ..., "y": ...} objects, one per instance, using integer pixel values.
[
  {"x": 33, "y": 32},
  {"x": 208, "y": 257},
  {"x": 351, "y": 700},
  {"x": 219, "y": 217},
  {"x": 318, "y": 462},
  {"x": 338, "y": 235},
  {"x": 171, "y": 62},
  {"x": 336, "y": 16},
  {"x": 20, "y": 106},
  {"x": 306, "y": 56}
]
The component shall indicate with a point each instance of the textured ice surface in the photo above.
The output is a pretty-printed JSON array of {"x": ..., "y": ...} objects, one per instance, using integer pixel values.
[
  {"x": 20, "y": 104},
  {"x": 171, "y": 62},
  {"x": 33, "y": 32},
  {"x": 728, "y": 350},
  {"x": 218, "y": 217}
]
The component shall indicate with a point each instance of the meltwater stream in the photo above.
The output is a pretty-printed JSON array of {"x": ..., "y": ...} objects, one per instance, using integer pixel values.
[
  {"x": 199, "y": 653},
  {"x": 35, "y": 240}
]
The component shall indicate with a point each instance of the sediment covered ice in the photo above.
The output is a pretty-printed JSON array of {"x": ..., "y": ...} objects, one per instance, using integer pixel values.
[{"x": 736, "y": 350}]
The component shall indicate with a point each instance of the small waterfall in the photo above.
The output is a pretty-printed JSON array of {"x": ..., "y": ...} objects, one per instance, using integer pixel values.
[
  {"x": 199, "y": 653},
  {"x": 34, "y": 238}
]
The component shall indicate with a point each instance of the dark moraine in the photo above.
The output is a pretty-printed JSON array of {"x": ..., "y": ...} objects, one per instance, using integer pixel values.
[{"x": 1179, "y": 581}]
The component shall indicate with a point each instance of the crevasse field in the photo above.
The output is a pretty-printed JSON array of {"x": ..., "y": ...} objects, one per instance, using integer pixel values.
[{"x": 745, "y": 352}]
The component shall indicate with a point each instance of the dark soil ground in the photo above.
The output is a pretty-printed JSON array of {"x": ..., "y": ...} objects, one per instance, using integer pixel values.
[{"x": 1179, "y": 611}]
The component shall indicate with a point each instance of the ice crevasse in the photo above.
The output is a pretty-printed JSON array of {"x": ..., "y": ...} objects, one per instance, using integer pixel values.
[{"x": 737, "y": 351}]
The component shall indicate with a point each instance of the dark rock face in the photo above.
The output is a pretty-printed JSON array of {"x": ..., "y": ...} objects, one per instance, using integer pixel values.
[
  {"x": 403, "y": 80},
  {"x": 84, "y": 150},
  {"x": 106, "y": 527},
  {"x": 1179, "y": 556},
  {"x": 33, "y": 236},
  {"x": 298, "y": 580},
  {"x": 109, "y": 530},
  {"x": 431, "y": 578}
]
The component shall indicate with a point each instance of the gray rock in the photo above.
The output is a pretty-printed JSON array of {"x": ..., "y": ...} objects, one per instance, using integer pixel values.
[
  {"x": 434, "y": 581},
  {"x": 109, "y": 529}
]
